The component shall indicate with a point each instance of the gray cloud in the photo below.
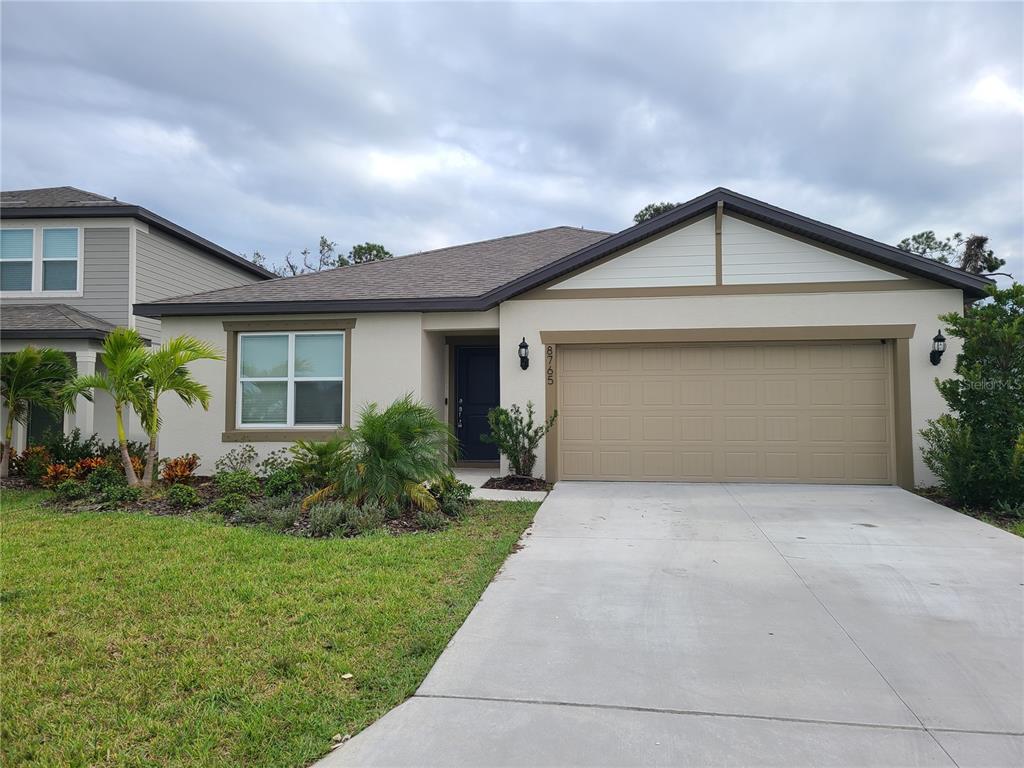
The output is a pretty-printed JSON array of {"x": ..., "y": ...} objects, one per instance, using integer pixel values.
[{"x": 263, "y": 126}]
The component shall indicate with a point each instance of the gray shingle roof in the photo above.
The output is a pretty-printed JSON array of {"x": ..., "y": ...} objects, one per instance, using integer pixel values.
[
  {"x": 54, "y": 197},
  {"x": 49, "y": 321},
  {"x": 71, "y": 202},
  {"x": 458, "y": 271}
]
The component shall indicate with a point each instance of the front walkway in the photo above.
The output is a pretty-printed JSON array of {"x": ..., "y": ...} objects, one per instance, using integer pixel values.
[
  {"x": 477, "y": 477},
  {"x": 651, "y": 624}
]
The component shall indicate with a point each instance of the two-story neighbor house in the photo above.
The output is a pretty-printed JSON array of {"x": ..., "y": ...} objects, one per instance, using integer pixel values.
[{"x": 72, "y": 265}]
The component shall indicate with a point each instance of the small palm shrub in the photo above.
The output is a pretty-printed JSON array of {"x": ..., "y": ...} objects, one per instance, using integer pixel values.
[
  {"x": 329, "y": 519},
  {"x": 393, "y": 452},
  {"x": 182, "y": 496},
  {"x": 179, "y": 468},
  {"x": 318, "y": 461},
  {"x": 238, "y": 481},
  {"x": 517, "y": 436}
]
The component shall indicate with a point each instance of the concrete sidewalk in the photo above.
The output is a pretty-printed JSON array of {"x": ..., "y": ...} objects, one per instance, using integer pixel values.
[{"x": 650, "y": 624}]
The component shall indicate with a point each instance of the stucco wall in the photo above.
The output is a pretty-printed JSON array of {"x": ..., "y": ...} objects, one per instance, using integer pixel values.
[
  {"x": 528, "y": 318},
  {"x": 387, "y": 362}
]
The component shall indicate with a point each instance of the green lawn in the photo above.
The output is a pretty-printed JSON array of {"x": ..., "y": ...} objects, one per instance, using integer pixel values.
[{"x": 130, "y": 639}]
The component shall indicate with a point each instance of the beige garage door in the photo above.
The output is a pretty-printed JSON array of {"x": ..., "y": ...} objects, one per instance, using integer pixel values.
[{"x": 766, "y": 412}]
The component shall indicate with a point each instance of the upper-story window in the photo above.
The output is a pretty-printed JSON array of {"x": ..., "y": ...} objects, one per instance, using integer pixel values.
[
  {"x": 43, "y": 260},
  {"x": 16, "y": 259}
]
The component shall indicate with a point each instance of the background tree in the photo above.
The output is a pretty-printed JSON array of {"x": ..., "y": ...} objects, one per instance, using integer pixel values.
[
  {"x": 124, "y": 358},
  {"x": 31, "y": 377},
  {"x": 651, "y": 210},
  {"x": 167, "y": 371},
  {"x": 977, "y": 450},
  {"x": 968, "y": 253},
  {"x": 327, "y": 257},
  {"x": 364, "y": 252}
]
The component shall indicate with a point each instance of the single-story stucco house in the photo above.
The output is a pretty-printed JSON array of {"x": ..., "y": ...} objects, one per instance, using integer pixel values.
[{"x": 725, "y": 340}]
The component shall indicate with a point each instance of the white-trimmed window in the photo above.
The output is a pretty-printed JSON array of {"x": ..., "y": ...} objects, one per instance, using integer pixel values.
[
  {"x": 60, "y": 259},
  {"x": 293, "y": 379},
  {"x": 16, "y": 248},
  {"x": 44, "y": 261}
]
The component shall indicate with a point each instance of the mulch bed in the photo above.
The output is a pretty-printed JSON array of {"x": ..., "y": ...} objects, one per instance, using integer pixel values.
[
  {"x": 517, "y": 483},
  {"x": 993, "y": 515}
]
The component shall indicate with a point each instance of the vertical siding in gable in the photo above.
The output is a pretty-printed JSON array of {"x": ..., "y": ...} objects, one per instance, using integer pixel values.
[
  {"x": 105, "y": 276},
  {"x": 166, "y": 267}
]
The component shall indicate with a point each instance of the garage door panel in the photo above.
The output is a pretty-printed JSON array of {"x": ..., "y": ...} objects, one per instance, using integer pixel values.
[{"x": 783, "y": 413}]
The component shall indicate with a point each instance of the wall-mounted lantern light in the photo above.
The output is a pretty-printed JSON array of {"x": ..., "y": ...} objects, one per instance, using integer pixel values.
[
  {"x": 938, "y": 347},
  {"x": 524, "y": 354}
]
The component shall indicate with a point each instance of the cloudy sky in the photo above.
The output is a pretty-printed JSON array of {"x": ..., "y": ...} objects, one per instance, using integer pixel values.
[{"x": 263, "y": 126}]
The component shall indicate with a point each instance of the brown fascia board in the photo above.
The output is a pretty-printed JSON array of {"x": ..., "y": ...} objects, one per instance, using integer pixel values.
[
  {"x": 972, "y": 285},
  {"x": 144, "y": 215},
  {"x": 42, "y": 333}
]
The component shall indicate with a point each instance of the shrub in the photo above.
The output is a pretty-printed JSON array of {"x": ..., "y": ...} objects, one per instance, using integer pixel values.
[
  {"x": 32, "y": 463},
  {"x": 281, "y": 481},
  {"x": 453, "y": 495},
  {"x": 231, "y": 505},
  {"x": 71, "y": 448},
  {"x": 281, "y": 518},
  {"x": 237, "y": 481},
  {"x": 318, "y": 461},
  {"x": 112, "y": 452},
  {"x": 112, "y": 495},
  {"x": 369, "y": 517},
  {"x": 182, "y": 496},
  {"x": 57, "y": 474},
  {"x": 393, "y": 452},
  {"x": 180, "y": 468},
  {"x": 431, "y": 520},
  {"x": 70, "y": 490},
  {"x": 273, "y": 461},
  {"x": 237, "y": 459},
  {"x": 107, "y": 475},
  {"x": 517, "y": 437},
  {"x": 977, "y": 451},
  {"x": 85, "y": 467},
  {"x": 330, "y": 519}
]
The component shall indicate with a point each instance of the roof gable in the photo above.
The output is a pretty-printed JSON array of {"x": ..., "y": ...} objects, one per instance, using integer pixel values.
[
  {"x": 479, "y": 276},
  {"x": 739, "y": 206}
]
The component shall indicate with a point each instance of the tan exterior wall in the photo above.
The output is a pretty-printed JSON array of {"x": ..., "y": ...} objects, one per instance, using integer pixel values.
[
  {"x": 392, "y": 354},
  {"x": 528, "y": 318}
]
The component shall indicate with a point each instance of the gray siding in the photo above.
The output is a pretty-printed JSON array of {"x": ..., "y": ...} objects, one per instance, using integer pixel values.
[
  {"x": 166, "y": 268},
  {"x": 105, "y": 276}
]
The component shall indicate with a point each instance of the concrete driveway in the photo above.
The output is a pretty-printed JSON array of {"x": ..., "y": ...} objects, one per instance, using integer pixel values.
[{"x": 769, "y": 625}]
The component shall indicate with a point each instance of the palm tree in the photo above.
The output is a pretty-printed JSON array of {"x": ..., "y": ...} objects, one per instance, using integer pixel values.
[
  {"x": 393, "y": 452},
  {"x": 31, "y": 376},
  {"x": 124, "y": 358},
  {"x": 167, "y": 371}
]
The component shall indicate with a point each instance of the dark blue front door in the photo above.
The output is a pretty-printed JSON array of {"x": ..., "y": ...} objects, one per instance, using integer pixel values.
[{"x": 476, "y": 392}]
